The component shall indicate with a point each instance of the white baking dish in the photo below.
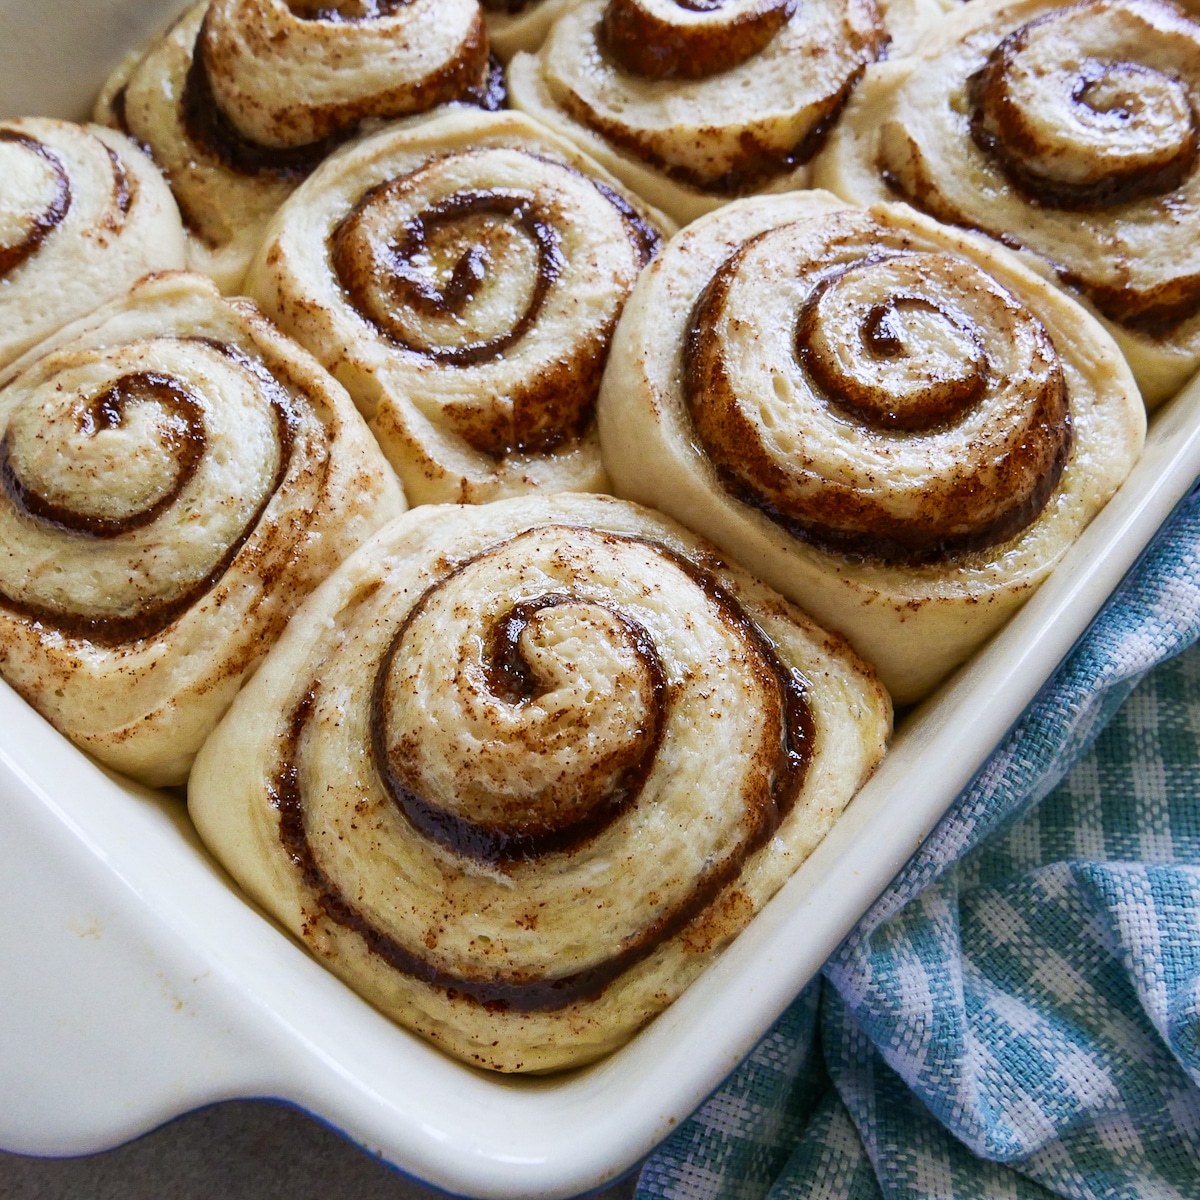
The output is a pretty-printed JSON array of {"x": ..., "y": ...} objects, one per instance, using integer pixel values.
[{"x": 138, "y": 983}]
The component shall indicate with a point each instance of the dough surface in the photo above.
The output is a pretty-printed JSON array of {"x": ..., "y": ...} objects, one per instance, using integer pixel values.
[
  {"x": 1068, "y": 132},
  {"x": 894, "y": 423},
  {"x": 239, "y": 100},
  {"x": 83, "y": 214},
  {"x": 514, "y": 25},
  {"x": 177, "y": 475},
  {"x": 462, "y": 276},
  {"x": 518, "y": 770},
  {"x": 693, "y": 105}
]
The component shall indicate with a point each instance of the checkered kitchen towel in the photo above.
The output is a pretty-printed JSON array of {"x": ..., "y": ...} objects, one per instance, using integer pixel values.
[{"x": 1018, "y": 1016}]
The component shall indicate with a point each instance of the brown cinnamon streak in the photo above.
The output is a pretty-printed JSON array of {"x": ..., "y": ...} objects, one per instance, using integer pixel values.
[
  {"x": 534, "y": 836},
  {"x": 210, "y": 128},
  {"x": 644, "y": 44},
  {"x": 754, "y": 165},
  {"x": 348, "y": 11},
  {"x": 385, "y": 283},
  {"x": 150, "y": 621},
  {"x": 528, "y": 992},
  {"x": 357, "y": 278},
  {"x": 942, "y": 402},
  {"x": 51, "y": 216},
  {"x": 107, "y": 411},
  {"x": 850, "y": 522},
  {"x": 1009, "y": 139},
  {"x": 122, "y": 192},
  {"x": 1156, "y": 312},
  {"x": 491, "y": 93},
  {"x": 645, "y": 237},
  {"x": 898, "y": 546},
  {"x": 472, "y": 76}
]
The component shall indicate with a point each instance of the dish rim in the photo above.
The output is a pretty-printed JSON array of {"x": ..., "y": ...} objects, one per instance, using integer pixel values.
[{"x": 183, "y": 969}]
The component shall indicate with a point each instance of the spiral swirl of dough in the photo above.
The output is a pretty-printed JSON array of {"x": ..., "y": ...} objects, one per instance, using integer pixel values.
[
  {"x": 692, "y": 102},
  {"x": 1067, "y": 132},
  {"x": 909, "y": 364},
  {"x": 462, "y": 277},
  {"x": 173, "y": 479},
  {"x": 546, "y": 757},
  {"x": 896, "y": 425},
  {"x": 291, "y": 74},
  {"x": 83, "y": 214},
  {"x": 241, "y": 99}
]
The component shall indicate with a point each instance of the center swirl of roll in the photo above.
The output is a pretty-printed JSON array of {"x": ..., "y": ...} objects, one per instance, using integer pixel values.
[
  {"x": 875, "y": 398},
  {"x": 689, "y": 39},
  {"x": 540, "y": 717},
  {"x": 460, "y": 280},
  {"x": 36, "y": 197},
  {"x": 561, "y": 717},
  {"x": 1091, "y": 107},
  {"x": 913, "y": 359},
  {"x": 145, "y": 468},
  {"x": 130, "y": 477},
  {"x": 504, "y": 269}
]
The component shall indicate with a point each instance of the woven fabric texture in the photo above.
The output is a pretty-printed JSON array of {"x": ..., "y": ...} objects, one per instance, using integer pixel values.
[{"x": 1018, "y": 1016}]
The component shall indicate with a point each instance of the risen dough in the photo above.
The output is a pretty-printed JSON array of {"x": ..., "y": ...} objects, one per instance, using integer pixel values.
[
  {"x": 462, "y": 276},
  {"x": 870, "y": 410},
  {"x": 1070, "y": 133},
  {"x": 521, "y": 26},
  {"x": 83, "y": 214},
  {"x": 240, "y": 99},
  {"x": 518, "y": 770},
  {"x": 178, "y": 475},
  {"x": 692, "y": 107}
]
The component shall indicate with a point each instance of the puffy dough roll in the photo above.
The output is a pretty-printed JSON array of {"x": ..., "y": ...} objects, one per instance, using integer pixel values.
[
  {"x": 896, "y": 424},
  {"x": 514, "y": 25},
  {"x": 175, "y": 476},
  {"x": 518, "y": 770},
  {"x": 83, "y": 214},
  {"x": 462, "y": 276},
  {"x": 240, "y": 99},
  {"x": 1070, "y": 134},
  {"x": 693, "y": 103}
]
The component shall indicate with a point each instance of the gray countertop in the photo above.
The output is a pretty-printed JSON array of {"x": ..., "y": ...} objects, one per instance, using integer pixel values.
[{"x": 241, "y": 1150}]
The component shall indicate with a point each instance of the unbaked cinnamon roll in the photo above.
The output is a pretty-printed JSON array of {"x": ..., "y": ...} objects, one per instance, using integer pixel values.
[
  {"x": 241, "y": 99},
  {"x": 175, "y": 476},
  {"x": 1069, "y": 132},
  {"x": 517, "y": 771},
  {"x": 894, "y": 423},
  {"x": 83, "y": 214},
  {"x": 692, "y": 103},
  {"x": 462, "y": 276}
]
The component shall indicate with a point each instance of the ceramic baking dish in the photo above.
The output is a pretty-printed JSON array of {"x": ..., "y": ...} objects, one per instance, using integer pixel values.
[{"x": 139, "y": 984}]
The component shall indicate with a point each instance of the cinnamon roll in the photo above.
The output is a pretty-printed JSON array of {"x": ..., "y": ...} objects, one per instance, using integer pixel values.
[
  {"x": 692, "y": 103},
  {"x": 83, "y": 214},
  {"x": 517, "y": 771},
  {"x": 894, "y": 423},
  {"x": 241, "y": 99},
  {"x": 1069, "y": 132},
  {"x": 174, "y": 477},
  {"x": 462, "y": 276}
]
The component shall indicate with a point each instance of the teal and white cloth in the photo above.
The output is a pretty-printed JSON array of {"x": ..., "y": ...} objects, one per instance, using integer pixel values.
[{"x": 1018, "y": 1016}]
